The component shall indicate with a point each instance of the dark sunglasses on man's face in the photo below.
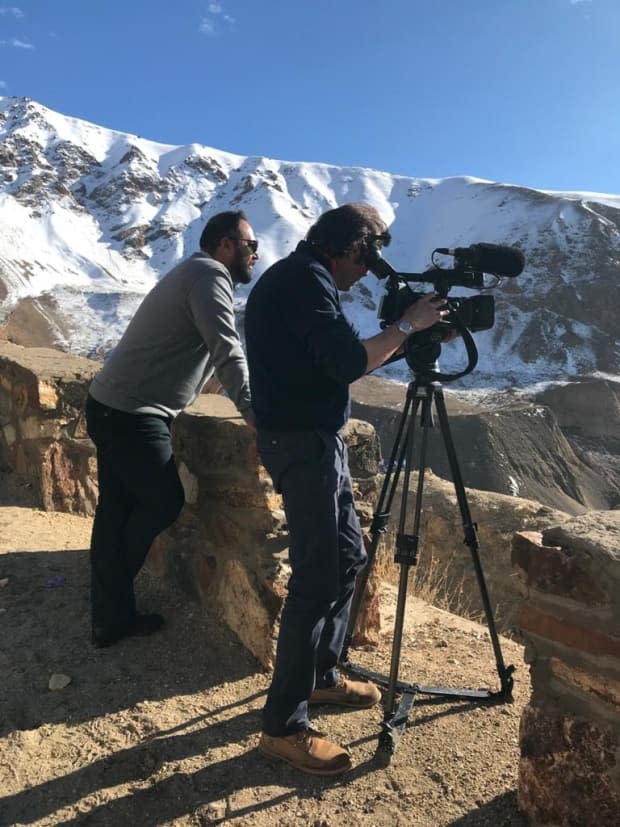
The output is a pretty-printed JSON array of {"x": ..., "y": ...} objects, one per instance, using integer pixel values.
[
  {"x": 380, "y": 239},
  {"x": 250, "y": 243}
]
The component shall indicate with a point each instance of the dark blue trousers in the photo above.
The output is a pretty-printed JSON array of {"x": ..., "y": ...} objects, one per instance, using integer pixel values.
[
  {"x": 140, "y": 494},
  {"x": 326, "y": 552}
]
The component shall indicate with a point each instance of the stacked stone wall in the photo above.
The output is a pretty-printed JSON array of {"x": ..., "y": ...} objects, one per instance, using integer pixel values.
[
  {"x": 569, "y": 577},
  {"x": 42, "y": 429}
]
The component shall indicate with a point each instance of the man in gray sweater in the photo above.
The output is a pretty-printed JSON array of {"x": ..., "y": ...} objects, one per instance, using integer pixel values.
[{"x": 181, "y": 335}]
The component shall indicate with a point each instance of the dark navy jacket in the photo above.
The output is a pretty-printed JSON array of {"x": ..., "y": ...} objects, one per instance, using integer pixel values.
[{"x": 302, "y": 352}]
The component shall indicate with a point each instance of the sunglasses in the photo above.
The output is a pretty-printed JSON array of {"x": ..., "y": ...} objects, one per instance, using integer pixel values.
[
  {"x": 250, "y": 243},
  {"x": 379, "y": 240}
]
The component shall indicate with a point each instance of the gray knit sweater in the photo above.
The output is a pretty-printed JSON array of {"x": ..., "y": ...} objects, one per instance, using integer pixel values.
[{"x": 182, "y": 333}]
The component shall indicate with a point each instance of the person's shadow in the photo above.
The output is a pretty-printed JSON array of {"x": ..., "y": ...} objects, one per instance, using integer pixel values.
[
  {"x": 199, "y": 737},
  {"x": 46, "y": 630},
  {"x": 238, "y": 784}
]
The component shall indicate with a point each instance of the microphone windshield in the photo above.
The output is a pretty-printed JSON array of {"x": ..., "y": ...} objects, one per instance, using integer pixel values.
[{"x": 495, "y": 259}]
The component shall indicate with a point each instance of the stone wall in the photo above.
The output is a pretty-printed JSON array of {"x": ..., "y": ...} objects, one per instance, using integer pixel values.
[
  {"x": 42, "y": 430},
  {"x": 229, "y": 546},
  {"x": 570, "y": 617}
]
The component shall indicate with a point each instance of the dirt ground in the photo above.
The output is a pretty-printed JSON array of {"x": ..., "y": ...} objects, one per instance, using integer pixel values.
[{"x": 163, "y": 730}]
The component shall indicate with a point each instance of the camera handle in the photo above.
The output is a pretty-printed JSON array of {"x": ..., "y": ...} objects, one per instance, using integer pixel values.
[{"x": 419, "y": 393}]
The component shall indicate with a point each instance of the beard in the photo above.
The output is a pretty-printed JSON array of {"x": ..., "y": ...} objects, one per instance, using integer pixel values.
[{"x": 241, "y": 269}]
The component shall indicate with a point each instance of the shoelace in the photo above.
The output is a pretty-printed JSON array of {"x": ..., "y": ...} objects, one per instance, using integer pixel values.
[{"x": 304, "y": 736}]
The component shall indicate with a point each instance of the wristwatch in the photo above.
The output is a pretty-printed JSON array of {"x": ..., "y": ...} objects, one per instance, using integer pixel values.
[{"x": 405, "y": 327}]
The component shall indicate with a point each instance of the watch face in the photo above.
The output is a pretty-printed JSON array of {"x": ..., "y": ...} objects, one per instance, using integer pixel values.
[{"x": 405, "y": 327}]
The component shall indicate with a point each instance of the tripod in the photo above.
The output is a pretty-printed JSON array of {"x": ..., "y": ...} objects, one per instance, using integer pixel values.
[{"x": 421, "y": 393}]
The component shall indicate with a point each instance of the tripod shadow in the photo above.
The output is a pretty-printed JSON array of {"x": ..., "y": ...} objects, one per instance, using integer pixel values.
[
  {"x": 242, "y": 784},
  {"x": 135, "y": 764},
  {"x": 455, "y": 707}
]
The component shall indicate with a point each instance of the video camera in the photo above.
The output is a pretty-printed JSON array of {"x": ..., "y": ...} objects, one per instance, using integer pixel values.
[{"x": 466, "y": 314}]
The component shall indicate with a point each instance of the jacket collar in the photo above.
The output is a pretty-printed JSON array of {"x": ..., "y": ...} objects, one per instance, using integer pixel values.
[{"x": 310, "y": 250}]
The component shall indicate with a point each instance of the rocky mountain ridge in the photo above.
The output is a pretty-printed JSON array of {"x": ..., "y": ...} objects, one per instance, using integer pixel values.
[{"x": 92, "y": 217}]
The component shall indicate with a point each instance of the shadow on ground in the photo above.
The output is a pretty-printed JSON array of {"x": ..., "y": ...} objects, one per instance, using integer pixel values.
[{"x": 46, "y": 629}]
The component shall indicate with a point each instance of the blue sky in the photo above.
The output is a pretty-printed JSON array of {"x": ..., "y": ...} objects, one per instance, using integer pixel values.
[{"x": 517, "y": 91}]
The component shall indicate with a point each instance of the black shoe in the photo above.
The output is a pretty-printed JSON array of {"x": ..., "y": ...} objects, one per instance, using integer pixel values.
[{"x": 140, "y": 625}]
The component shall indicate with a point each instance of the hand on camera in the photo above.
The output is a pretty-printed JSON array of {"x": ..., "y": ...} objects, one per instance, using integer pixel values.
[{"x": 426, "y": 312}]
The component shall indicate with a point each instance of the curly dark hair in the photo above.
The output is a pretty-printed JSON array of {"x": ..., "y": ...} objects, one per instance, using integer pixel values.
[{"x": 337, "y": 230}]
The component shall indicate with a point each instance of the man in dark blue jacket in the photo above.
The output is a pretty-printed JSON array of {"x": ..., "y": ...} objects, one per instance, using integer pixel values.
[{"x": 302, "y": 355}]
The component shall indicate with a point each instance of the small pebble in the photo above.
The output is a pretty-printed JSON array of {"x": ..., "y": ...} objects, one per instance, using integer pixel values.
[
  {"x": 216, "y": 811},
  {"x": 58, "y": 681}
]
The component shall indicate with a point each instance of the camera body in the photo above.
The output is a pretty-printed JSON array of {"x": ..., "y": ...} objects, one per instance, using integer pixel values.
[
  {"x": 466, "y": 314},
  {"x": 474, "y": 312}
]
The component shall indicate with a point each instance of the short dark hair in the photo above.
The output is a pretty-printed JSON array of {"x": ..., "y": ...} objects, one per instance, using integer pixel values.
[
  {"x": 220, "y": 226},
  {"x": 337, "y": 230}
]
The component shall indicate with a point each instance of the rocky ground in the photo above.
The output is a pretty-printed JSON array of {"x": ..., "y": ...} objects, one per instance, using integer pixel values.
[{"x": 163, "y": 731}]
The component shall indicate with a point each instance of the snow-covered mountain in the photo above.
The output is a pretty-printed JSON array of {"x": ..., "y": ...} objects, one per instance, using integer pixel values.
[{"x": 90, "y": 218}]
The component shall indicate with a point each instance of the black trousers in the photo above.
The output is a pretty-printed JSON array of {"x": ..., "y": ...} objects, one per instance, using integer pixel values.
[
  {"x": 326, "y": 552},
  {"x": 140, "y": 494}
]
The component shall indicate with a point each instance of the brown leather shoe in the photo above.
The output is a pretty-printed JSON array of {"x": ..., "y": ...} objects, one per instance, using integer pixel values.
[
  {"x": 308, "y": 752},
  {"x": 356, "y": 694}
]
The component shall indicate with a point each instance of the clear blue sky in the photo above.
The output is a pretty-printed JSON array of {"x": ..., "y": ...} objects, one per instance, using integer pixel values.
[{"x": 518, "y": 91}]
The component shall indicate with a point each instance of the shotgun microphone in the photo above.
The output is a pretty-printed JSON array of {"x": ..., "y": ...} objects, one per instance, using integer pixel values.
[{"x": 496, "y": 259}]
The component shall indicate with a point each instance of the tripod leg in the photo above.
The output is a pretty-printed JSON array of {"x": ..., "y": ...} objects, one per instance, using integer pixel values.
[
  {"x": 380, "y": 517},
  {"x": 407, "y": 544},
  {"x": 471, "y": 540},
  {"x": 395, "y": 719}
]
